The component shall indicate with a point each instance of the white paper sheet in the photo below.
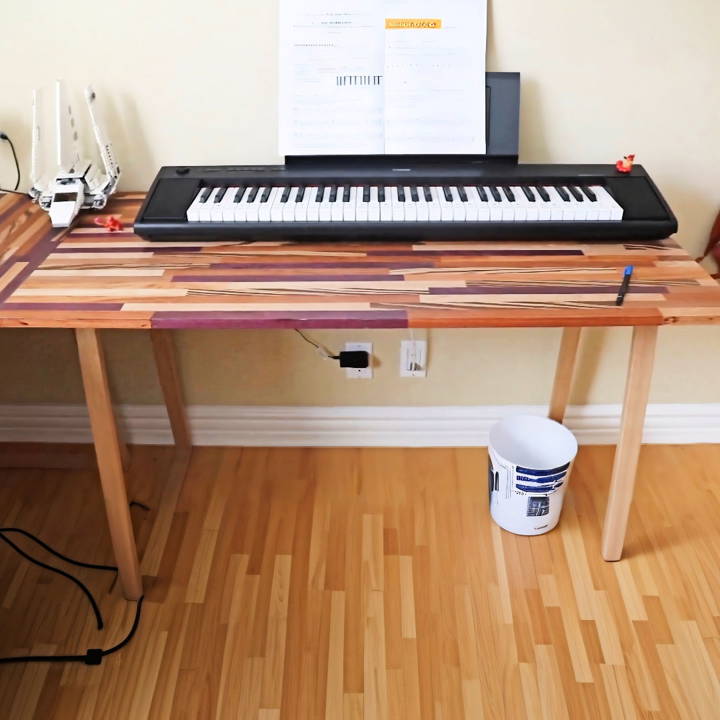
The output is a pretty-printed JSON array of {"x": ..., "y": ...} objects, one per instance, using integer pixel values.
[
  {"x": 435, "y": 77},
  {"x": 331, "y": 67},
  {"x": 353, "y": 82}
]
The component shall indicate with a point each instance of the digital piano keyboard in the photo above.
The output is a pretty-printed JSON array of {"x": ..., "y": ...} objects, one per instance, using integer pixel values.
[{"x": 410, "y": 197}]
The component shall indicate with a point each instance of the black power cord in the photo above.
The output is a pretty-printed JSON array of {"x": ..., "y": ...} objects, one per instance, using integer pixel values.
[
  {"x": 348, "y": 358},
  {"x": 93, "y": 656},
  {"x": 4, "y": 136}
]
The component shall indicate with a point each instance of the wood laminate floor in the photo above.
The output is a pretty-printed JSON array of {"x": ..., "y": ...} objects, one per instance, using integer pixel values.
[{"x": 344, "y": 583}]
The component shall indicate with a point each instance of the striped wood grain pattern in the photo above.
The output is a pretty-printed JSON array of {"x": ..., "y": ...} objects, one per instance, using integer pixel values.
[
  {"x": 91, "y": 277},
  {"x": 343, "y": 583}
]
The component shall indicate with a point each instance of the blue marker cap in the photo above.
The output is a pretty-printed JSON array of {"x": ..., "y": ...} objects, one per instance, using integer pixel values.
[{"x": 629, "y": 269}]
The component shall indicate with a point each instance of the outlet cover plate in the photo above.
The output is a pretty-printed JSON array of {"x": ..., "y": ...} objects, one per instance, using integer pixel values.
[
  {"x": 355, "y": 373},
  {"x": 413, "y": 358}
]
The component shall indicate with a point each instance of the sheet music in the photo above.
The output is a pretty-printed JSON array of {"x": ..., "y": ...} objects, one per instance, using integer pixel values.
[
  {"x": 382, "y": 76},
  {"x": 331, "y": 68},
  {"x": 435, "y": 76}
]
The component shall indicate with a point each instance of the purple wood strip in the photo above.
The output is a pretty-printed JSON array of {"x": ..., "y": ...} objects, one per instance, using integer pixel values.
[
  {"x": 110, "y": 250},
  {"x": 336, "y": 265},
  {"x": 269, "y": 319},
  {"x": 53, "y": 306},
  {"x": 510, "y": 253},
  {"x": 283, "y": 278},
  {"x": 541, "y": 289}
]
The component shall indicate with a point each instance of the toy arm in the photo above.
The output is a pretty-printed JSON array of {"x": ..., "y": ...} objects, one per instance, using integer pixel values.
[{"x": 111, "y": 166}]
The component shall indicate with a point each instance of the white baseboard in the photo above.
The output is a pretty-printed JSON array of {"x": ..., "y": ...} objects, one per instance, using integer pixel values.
[{"x": 456, "y": 426}]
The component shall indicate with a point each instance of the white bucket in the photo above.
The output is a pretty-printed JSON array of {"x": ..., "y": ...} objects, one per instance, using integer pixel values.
[{"x": 528, "y": 468}]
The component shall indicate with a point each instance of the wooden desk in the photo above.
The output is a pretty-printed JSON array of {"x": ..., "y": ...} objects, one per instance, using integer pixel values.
[{"x": 89, "y": 279}]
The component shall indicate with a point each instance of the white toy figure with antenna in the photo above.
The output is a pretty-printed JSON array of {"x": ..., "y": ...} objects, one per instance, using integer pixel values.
[{"x": 78, "y": 184}]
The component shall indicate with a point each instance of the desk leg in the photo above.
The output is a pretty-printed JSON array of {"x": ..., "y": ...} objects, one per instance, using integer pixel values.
[
  {"x": 169, "y": 378},
  {"x": 622, "y": 484},
  {"x": 564, "y": 373},
  {"x": 109, "y": 457}
]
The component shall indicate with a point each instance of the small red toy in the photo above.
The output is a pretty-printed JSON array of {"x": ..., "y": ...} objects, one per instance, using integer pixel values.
[
  {"x": 109, "y": 222},
  {"x": 626, "y": 164}
]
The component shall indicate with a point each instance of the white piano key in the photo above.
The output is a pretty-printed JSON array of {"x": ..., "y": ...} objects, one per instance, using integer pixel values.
[
  {"x": 472, "y": 206},
  {"x": 608, "y": 202},
  {"x": 544, "y": 207},
  {"x": 336, "y": 213},
  {"x": 531, "y": 206},
  {"x": 482, "y": 206},
  {"x": 206, "y": 208},
  {"x": 253, "y": 207},
  {"x": 227, "y": 206},
  {"x": 216, "y": 207},
  {"x": 496, "y": 210},
  {"x": 446, "y": 206},
  {"x": 386, "y": 206},
  {"x": 193, "y": 212},
  {"x": 423, "y": 208},
  {"x": 434, "y": 209},
  {"x": 240, "y": 208},
  {"x": 313, "y": 208},
  {"x": 325, "y": 207},
  {"x": 560, "y": 210},
  {"x": 301, "y": 208},
  {"x": 410, "y": 207},
  {"x": 276, "y": 211},
  {"x": 288, "y": 208},
  {"x": 266, "y": 207},
  {"x": 349, "y": 207},
  {"x": 519, "y": 204},
  {"x": 398, "y": 207},
  {"x": 361, "y": 207},
  {"x": 458, "y": 206},
  {"x": 374, "y": 205}
]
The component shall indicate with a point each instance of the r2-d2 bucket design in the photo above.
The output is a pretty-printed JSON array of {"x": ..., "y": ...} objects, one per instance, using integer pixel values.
[{"x": 529, "y": 462}]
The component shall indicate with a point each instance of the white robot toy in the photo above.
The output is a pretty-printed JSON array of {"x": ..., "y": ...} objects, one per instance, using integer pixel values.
[{"x": 78, "y": 183}]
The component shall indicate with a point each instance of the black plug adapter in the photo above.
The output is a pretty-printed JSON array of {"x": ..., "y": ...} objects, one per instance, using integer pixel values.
[{"x": 354, "y": 359}]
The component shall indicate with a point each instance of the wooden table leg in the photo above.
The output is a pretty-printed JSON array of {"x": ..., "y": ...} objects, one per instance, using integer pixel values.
[
  {"x": 109, "y": 457},
  {"x": 164, "y": 349},
  {"x": 622, "y": 484},
  {"x": 564, "y": 373}
]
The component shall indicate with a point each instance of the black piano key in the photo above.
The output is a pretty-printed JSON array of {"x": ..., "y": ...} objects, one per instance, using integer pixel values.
[
  {"x": 447, "y": 193},
  {"x": 381, "y": 193},
  {"x": 543, "y": 193},
  {"x": 319, "y": 194},
  {"x": 346, "y": 193},
  {"x": 220, "y": 194},
  {"x": 266, "y": 195},
  {"x": 401, "y": 193},
  {"x": 462, "y": 193},
  {"x": 205, "y": 194},
  {"x": 285, "y": 195},
  {"x": 528, "y": 193},
  {"x": 495, "y": 193},
  {"x": 482, "y": 193},
  {"x": 300, "y": 194},
  {"x": 509, "y": 194},
  {"x": 427, "y": 193},
  {"x": 590, "y": 194},
  {"x": 238, "y": 195},
  {"x": 333, "y": 193},
  {"x": 253, "y": 193},
  {"x": 563, "y": 193},
  {"x": 366, "y": 193},
  {"x": 575, "y": 192},
  {"x": 414, "y": 194}
]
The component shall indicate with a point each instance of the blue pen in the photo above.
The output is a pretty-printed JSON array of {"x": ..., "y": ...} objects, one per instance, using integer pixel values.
[{"x": 624, "y": 287}]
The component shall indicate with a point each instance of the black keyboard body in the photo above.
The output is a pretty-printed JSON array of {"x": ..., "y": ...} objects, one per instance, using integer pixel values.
[{"x": 646, "y": 215}]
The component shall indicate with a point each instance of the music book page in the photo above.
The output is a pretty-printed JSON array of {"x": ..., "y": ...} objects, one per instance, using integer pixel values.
[{"x": 382, "y": 76}]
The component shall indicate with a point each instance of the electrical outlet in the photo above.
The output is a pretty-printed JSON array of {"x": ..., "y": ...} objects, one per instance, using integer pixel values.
[
  {"x": 413, "y": 358},
  {"x": 360, "y": 372}
]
